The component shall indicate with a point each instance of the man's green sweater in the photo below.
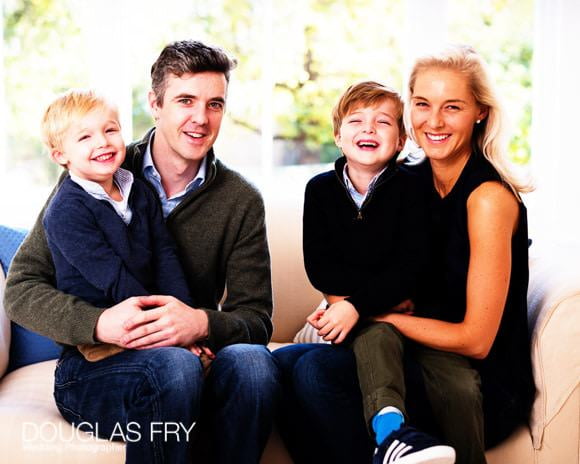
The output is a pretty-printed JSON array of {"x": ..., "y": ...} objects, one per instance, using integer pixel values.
[{"x": 221, "y": 239}]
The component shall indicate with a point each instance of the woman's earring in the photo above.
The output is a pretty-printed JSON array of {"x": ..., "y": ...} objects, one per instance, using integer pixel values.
[{"x": 478, "y": 121}]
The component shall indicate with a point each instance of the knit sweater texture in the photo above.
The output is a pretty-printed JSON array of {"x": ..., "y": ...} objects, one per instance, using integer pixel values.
[
  {"x": 220, "y": 233},
  {"x": 104, "y": 261},
  {"x": 376, "y": 255}
]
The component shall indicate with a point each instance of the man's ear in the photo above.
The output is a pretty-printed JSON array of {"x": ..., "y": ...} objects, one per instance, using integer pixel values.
[
  {"x": 58, "y": 157},
  {"x": 153, "y": 104}
]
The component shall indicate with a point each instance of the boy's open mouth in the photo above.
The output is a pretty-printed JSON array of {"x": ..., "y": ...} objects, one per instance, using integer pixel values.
[
  {"x": 367, "y": 144},
  {"x": 104, "y": 157}
]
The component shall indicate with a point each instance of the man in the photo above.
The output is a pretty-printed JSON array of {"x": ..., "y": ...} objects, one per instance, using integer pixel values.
[{"x": 217, "y": 220}]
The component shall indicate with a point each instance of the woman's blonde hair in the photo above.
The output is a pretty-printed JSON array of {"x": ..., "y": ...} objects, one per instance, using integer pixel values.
[{"x": 487, "y": 136}]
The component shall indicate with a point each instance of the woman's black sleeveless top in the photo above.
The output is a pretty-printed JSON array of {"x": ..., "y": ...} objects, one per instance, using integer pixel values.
[{"x": 508, "y": 364}]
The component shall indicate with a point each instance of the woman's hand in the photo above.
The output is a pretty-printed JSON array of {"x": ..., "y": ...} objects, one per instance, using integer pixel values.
[
  {"x": 492, "y": 213},
  {"x": 404, "y": 307}
]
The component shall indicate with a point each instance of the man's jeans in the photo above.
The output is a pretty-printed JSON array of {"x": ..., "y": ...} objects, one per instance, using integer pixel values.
[{"x": 152, "y": 399}]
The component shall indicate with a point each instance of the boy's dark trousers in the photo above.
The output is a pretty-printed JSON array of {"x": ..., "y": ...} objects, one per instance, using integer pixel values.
[{"x": 444, "y": 387}]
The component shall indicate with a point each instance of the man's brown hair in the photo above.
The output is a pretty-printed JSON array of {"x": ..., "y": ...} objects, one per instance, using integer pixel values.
[{"x": 188, "y": 56}]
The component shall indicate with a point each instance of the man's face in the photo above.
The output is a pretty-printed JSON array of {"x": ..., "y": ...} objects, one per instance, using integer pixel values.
[{"x": 188, "y": 122}]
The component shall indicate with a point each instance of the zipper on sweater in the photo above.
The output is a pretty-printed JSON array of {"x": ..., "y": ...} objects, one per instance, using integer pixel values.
[{"x": 359, "y": 215}]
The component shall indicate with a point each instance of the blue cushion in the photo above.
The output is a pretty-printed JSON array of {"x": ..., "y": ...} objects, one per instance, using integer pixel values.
[
  {"x": 26, "y": 347},
  {"x": 10, "y": 240}
]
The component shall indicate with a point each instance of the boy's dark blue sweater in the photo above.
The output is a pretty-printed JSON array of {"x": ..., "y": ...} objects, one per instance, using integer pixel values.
[
  {"x": 375, "y": 256},
  {"x": 103, "y": 261}
]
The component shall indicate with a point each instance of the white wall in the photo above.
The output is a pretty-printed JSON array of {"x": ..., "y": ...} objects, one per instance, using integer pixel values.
[{"x": 554, "y": 208}]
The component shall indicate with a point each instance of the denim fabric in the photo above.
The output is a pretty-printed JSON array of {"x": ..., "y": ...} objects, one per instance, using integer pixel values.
[
  {"x": 159, "y": 391},
  {"x": 321, "y": 415},
  {"x": 240, "y": 401}
]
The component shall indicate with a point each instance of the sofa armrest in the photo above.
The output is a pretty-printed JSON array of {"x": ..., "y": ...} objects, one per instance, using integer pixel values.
[{"x": 554, "y": 319}]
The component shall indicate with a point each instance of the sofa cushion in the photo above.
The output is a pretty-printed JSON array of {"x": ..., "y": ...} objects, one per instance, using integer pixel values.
[
  {"x": 10, "y": 240},
  {"x": 26, "y": 347},
  {"x": 32, "y": 430},
  {"x": 308, "y": 334},
  {"x": 294, "y": 297},
  {"x": 554, "y": 319}
]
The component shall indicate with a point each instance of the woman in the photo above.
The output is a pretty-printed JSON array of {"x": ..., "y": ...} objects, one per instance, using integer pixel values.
[{"x": 476, "y": 303}]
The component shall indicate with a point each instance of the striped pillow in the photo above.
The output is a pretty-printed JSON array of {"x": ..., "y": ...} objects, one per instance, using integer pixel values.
[{"x": 309, "y": 334}]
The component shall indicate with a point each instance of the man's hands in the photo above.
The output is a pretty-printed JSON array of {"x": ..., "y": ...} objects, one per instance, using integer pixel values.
[
  {"x": 169, "y": 323},
  {"x": 334, "y": 323}
]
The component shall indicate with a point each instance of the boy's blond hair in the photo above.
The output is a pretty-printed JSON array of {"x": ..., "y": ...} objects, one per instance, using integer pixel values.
[
  {"x": 367, "y": 93},
  {"x": 67, "y": 107}
]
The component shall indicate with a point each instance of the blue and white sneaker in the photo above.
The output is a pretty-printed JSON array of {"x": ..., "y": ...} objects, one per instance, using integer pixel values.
[{"x": 410, "y": 446}]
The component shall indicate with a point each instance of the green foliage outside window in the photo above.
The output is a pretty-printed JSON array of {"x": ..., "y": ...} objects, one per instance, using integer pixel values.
[{"x": 318, "y": 48}]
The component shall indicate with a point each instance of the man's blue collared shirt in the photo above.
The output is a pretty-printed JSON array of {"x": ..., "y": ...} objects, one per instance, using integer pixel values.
[{"x": 152, "y": 175}]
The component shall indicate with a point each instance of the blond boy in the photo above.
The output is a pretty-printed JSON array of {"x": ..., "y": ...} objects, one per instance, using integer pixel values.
[{"x": 104, "y": 228}]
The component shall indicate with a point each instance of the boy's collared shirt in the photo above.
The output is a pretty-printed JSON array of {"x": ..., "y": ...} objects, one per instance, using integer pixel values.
[
  {"x": 123, "y": 179},
  {"x": 152, "y": 175},
  {"x": 358, "y": 197}
]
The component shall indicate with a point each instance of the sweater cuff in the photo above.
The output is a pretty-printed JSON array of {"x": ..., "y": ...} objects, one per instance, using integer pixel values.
[
  {"x": 217, "y": 329},
  {"x": 226, "y": 328},
  {"x": 84, "y": 326},
  {"x": 359, "y": 304}
]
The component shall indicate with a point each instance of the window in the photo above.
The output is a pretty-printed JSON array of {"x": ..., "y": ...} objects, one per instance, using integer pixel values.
[{"x": 295, "y": 58}]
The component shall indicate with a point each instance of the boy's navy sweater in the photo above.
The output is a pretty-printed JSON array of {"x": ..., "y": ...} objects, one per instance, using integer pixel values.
[
  {"x": 375, "y": 256},
  {"x": 103, "y": 261}
]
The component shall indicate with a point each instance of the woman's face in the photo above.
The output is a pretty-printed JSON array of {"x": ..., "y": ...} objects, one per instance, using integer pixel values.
[{"x": 443, "y": 114}]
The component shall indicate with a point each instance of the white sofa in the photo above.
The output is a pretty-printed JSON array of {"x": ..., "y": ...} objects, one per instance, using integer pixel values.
[{"x": 32, "y": 431}]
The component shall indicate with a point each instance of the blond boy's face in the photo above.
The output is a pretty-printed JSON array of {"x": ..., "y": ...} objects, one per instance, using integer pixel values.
[
  {"x": 92, "y": 146},
  {"x": 369, "y": 136}
]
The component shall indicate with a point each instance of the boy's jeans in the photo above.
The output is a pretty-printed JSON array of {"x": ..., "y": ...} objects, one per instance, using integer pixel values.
[{"x": 152, "y": 399}]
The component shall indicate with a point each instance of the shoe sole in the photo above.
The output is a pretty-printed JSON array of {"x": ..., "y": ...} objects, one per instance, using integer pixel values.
[{"x": 434, "y": 455}]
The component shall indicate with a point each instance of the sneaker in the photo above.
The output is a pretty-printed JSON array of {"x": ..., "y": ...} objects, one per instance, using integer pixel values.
[{"x": 409, "y": 446}]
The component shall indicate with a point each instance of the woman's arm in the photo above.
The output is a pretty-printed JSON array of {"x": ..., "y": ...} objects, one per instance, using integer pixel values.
[{"x": 492, "y": 213}]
